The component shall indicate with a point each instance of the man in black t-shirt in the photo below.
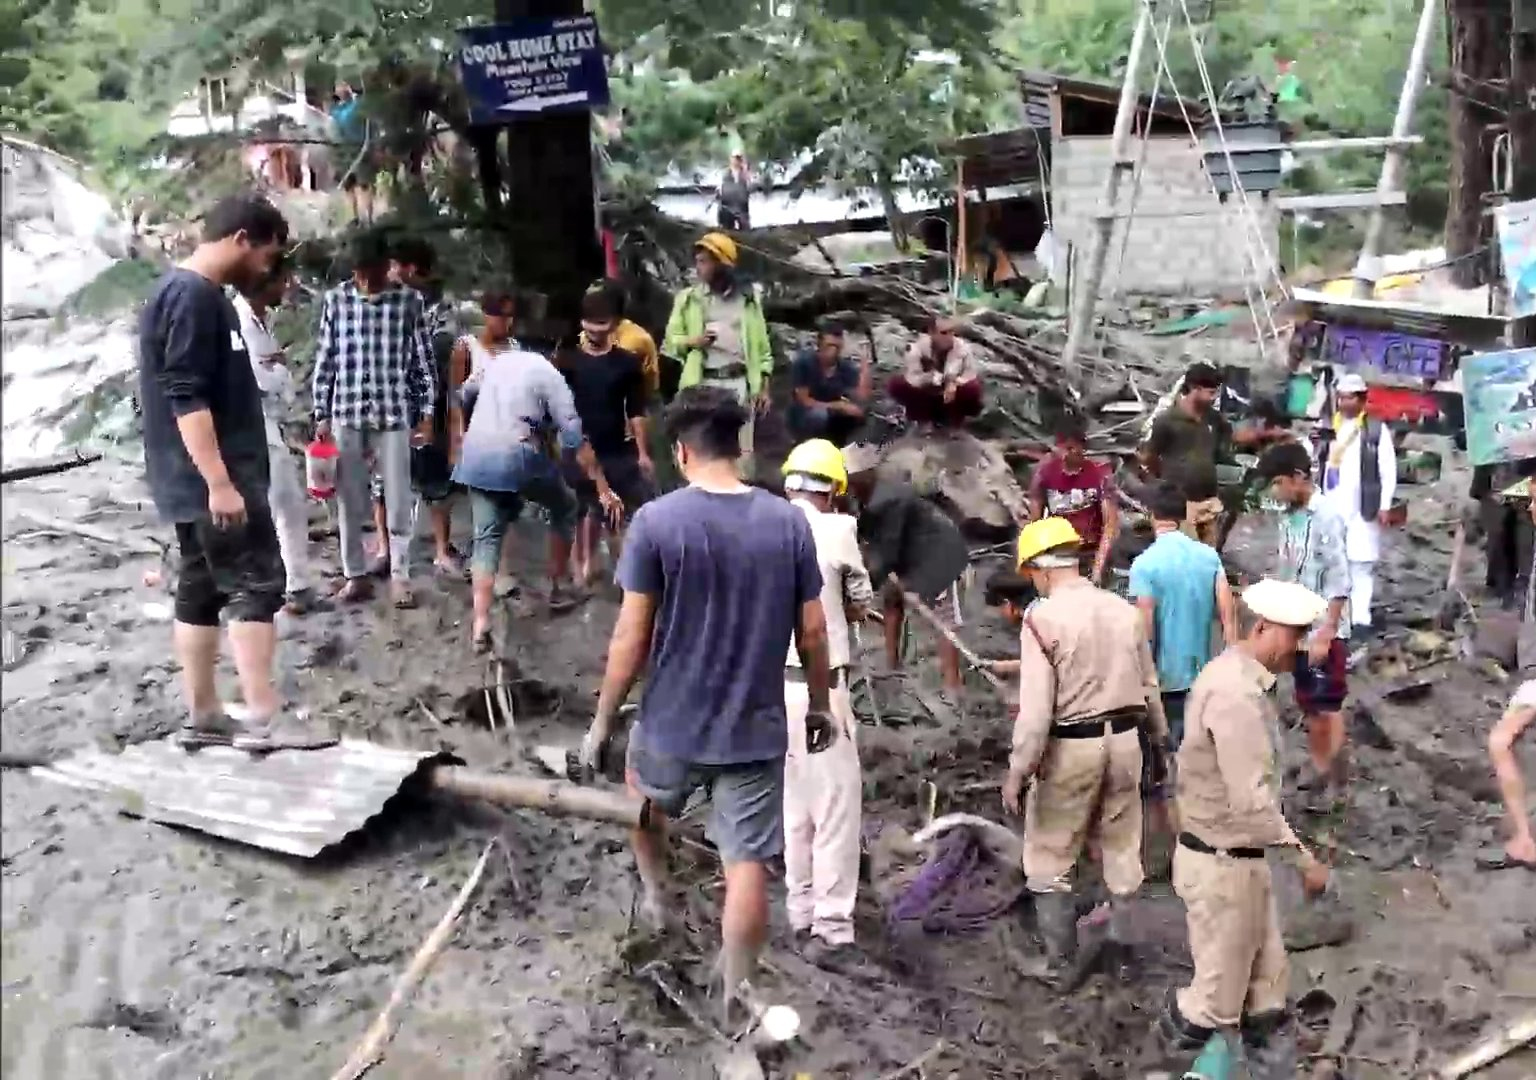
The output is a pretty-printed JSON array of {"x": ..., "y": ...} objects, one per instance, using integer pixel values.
[
  {"x": 609, "y": 386},
  {"x": 205, "y": 452}
]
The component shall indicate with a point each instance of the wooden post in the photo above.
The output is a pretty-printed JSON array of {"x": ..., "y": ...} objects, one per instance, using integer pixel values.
[
  {"x": 960, "y": 233},
  {"x": 1522, "y": 131},
  {"x": 1396, "y": 158},
  {"x": 1085, "y": 303}
]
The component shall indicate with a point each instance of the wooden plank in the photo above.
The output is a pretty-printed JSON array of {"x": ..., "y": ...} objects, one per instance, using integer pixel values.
[
  {"x": 1312, "y": 146},
  {"x": 1341, "y": 200}
]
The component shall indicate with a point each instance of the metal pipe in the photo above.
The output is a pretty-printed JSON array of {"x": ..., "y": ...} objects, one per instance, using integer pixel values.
[
  {"x": 1396, "y": 157},
  {"x": 1085, "y": 303},
  {"x": 982, "y": 666}
]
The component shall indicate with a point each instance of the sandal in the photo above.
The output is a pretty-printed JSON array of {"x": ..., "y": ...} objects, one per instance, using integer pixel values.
[
  {"x": 355, "y": 591},
  {"x": 402, "y": 596},
  {"x": 482, "y": 642},
  {"x": 1503, "y": 860}
]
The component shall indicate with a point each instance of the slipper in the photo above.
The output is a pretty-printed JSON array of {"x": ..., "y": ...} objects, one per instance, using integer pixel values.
[
  {"x": 402, "y": 597},
  {"x": 355, "y": 591},
  {"x": 482, "y": 642},
  {"x": 1503, "y": 860}
]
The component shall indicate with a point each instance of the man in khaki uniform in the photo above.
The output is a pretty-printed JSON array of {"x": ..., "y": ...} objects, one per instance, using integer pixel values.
[
  {"x": 1087, "y": 683},
  {"x": 1229, "y": 800}
]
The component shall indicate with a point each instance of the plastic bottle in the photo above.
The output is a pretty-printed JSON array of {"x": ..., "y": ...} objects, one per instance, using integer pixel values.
[
  {"x": 1215, "y": 1061},
  {"x": 320, "y": 468}
]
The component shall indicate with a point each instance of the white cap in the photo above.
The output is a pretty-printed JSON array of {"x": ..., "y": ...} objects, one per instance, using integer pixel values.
[
  {"x": 1284, "y": 602},
  {"x": 1349, "y": 384},
  {"x": 861, "y": 457},
  {"x": 817, "y": 485}
]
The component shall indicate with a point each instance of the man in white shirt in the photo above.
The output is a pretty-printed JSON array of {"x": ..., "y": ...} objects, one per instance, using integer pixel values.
[
  {"x": 289, "y": 501},
  {"x": 1360, "y": 479},
  {"x": 823, "y": 792}
]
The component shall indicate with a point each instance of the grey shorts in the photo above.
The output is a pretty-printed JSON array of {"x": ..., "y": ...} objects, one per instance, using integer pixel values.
[{"x": 746, "y": 815}]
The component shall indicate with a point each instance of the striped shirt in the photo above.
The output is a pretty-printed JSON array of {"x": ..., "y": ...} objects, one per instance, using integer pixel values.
[{"x": 374, "y": 367}]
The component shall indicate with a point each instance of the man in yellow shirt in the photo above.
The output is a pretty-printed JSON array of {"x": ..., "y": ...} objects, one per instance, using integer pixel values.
[{"x": 632, "y": 337}]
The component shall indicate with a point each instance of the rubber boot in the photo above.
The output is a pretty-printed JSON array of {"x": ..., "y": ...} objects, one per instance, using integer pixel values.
[
  {"x": 1183, "y": 1033},
  {"x": 1269, "y": 1046},
  {"x": 1216, "y": 1061},
  {"x": 1056, "y": 918}
]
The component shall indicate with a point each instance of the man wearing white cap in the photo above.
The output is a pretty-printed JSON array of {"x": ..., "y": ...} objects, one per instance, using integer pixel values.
[
  {"x": 824, "y": 792},
  {"x": 1360, "y": 478},
  {"x": 1229, "y": 801}
]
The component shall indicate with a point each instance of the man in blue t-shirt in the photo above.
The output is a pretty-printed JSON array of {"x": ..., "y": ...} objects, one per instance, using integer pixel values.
[
  {"x": 717, "y": 578},
  {"x": 1181, "y": 589},
  {"x": 831, "y": 391}
]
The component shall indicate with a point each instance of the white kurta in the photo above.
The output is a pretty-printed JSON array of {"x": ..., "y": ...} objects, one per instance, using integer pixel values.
[{"x": 1362, "y": 541}]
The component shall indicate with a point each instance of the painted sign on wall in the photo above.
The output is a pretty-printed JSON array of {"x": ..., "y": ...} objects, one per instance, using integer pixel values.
[
  {"x": 1499, "y": 390},
  {"x": 1517, "y": 251},
  {"x": 532, "y": 66},
  {"x": 1386, "y": 351}
]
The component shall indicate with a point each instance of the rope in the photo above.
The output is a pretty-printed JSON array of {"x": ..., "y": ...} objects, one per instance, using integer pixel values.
[
  {"x": 1141, "y": 161},
  {"x": 1252, "y": 283},
  {"x": 1226, "y": 150}
]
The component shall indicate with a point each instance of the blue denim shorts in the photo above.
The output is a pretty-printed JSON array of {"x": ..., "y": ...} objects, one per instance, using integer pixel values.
[{"x": 491, "y": 512}]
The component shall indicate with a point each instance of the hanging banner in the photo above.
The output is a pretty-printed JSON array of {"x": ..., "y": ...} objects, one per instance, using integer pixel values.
[
  {"x": 1499, "y": 390},
  {"x": 531, "y": 66},
  {"x": 1517, "y": 251}
]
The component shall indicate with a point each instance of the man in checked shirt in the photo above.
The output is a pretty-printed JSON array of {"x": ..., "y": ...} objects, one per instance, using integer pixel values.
[{"x": 375, "y": 385}]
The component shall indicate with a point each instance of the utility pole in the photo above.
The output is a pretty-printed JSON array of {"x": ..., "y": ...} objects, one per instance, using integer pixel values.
[
  {"x": 1522, "y": 131},
  {"x": 1367, "y": 268},
  {"x": 1085, "y": 303}
]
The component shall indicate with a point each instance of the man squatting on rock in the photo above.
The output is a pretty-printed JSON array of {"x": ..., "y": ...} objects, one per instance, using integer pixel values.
[
  {"x": 717, "y": 579},
  {"x": 205, "y": 454},
  {"x": 823, "y": 793},
  {"x": 1087, "y": 684},
  {"x": 1229, "y": 801}
]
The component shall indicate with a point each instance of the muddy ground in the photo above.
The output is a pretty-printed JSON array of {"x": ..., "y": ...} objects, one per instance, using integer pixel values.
[{"x": 131, "y": 950}]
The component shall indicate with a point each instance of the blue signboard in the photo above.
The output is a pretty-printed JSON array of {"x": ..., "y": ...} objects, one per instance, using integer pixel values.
[
  {"x": 1499, "y": 391},
  {"x": 532, "y": 66}
]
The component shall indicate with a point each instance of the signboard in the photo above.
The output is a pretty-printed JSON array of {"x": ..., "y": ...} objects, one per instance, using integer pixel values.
[
  {"x": 1517, "y": 251},
  {"x": 1499, "y": 390},
  {"x": 532, "y": 66},
  {"x": 1386, "y": 351}
]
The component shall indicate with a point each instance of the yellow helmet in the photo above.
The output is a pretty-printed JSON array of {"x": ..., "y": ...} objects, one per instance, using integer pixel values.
[
  {"x": 817, "y": 459},
  {"x": 722, "y": 247},
  {"x": 1039, "y": 537}
]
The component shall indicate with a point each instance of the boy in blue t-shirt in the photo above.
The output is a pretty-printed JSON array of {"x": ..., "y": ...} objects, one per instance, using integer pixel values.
[{"x": 1181, "y": 588}]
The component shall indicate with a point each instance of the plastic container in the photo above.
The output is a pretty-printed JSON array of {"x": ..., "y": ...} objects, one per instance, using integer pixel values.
[{"x": 320, "y": 468}]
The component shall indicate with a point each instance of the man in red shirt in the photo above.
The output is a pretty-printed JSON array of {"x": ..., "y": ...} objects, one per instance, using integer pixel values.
[{"x": 1068, "y": 485}]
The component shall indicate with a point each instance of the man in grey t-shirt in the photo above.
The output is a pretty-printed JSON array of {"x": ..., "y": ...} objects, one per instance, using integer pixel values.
[{"x": 717, "y": 578}]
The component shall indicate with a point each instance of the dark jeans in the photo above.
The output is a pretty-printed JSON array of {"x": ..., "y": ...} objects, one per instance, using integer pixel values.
[
  {"x": 926, "y": 405},
  {"x": 622, "y": 471},
  {"x": 239, "y": 570},
  {"x": 820, "y": 422},
  {"x": 1510, "y": 539}
]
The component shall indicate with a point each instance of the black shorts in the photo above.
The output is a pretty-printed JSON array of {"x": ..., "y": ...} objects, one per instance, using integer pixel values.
[
  {"x": 624, "y": 476},
  {"x": 431, "y": 473},
  {"x": 238, "y": 570}
]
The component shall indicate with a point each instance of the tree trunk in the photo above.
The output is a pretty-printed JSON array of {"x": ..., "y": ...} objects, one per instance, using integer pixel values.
[
  {"x": 552, "y": 216},
  {"x": 1479, "y": 56},
  {"x": 893, "y": 216}
]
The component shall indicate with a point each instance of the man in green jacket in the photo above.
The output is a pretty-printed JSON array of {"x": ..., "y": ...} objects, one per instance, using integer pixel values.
[{"x": 718, "y": 330}]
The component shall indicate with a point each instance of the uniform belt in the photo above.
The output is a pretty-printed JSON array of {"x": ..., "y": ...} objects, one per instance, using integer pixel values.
[
  {"x": 1194, "y": 843},
  {"x": 726, "y": 372},
  {"x": 1110, "y": 723},
  {"x": 797, "y": 675}
]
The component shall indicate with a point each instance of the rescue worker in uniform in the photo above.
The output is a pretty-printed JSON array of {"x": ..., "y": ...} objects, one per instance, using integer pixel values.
[
  {"x": 823, "y": 792},
  {"x": 1087, "y": 684},
  {"x": 1229, "y": 800}
]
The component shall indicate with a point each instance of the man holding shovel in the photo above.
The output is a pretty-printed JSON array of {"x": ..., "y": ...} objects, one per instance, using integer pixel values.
[{"x": 717, "y": 579}]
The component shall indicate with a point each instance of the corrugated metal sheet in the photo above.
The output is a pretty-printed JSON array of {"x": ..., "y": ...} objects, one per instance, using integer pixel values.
[{"x": 298, "y": 802}]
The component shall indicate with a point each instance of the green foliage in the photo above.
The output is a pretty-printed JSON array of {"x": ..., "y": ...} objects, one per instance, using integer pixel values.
[{"x": 115, "y": 291}]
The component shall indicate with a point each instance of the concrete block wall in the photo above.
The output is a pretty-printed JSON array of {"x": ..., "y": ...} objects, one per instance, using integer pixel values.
[{"x": 1183, "y": 242}]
